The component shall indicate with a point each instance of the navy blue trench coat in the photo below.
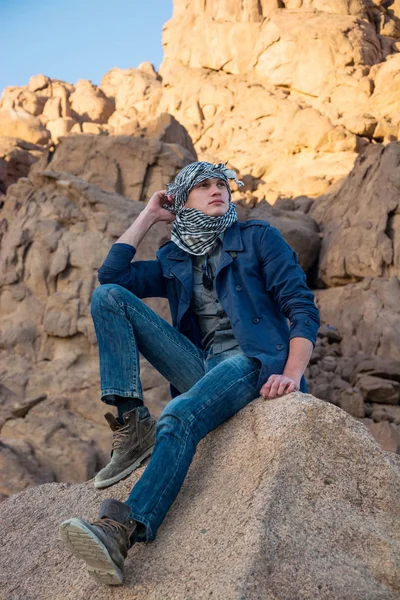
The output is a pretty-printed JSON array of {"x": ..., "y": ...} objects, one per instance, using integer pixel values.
[{"x": 259, "y": 282}]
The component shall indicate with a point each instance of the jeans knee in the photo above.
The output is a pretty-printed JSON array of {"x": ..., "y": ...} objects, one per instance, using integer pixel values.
[
  {"x": 106, "y": 294},
  {"x": 171, "y": 422}
]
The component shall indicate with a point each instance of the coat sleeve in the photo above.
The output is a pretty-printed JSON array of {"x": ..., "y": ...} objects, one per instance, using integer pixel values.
[
  {"x": 286, "y": 282},
  {"x": 143, "y": 278}
]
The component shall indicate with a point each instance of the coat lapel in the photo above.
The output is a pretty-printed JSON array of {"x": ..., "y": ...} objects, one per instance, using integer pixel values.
[
  {"x": 178, "y": 263},
  {"x": 232, "y": 244}
]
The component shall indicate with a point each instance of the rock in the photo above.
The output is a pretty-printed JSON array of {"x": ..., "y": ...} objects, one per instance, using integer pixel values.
[
  {"x": 21, "y": 98},
  {"x": 323, "y": 389},
  {"x": 352, "y": 402},
  {"x": 384, "y": 100},
  {"x": 305, "y": 95},
  {"x": 13, "y": 405},
  {"x": 56, "y": 231},
  {"x": 52, "y": 109},
  {"x": 219, "y": 127},
  {"x": 367, "y": 316},
  {"x": 360, "y": 223},
  {"x": 333, "y": 349},
  {"x": 132, "y": 167},
  {"x": 376, "y": 389},
  {"x": 20, "y": 469},
  {"x": 373, "y": 365},
  {"x": 91, "y": 103},
  {"x": 60, "y": 127},
  {"x": 287, "y": 464},
  {"x": 330, "y": 332},
  {"x": 16, "y": 158},
  {"x": 134, "y": 90},
  {"x": 363, "y": 125},
  {"x": 303, "y": 204},
  {"x": 341, "y": 384},
  {"x": 299, "y": 230},
  {"x": 314, "y": 371},
  {"x": 385, "y": 412},
  {"x": 283, "y": 54},
  {"x": 63, "y": 443},
  {"x": 386, "y": 131},
  {"x": 93, "y": 128},
  {"x": 148, "y": 67},
  {"x": 329, "y": 363},
  {"x": 38, "y": 82},
  {"x": 386, "y": 434},
  {"x": 168, "y": 130},
  {"x": 20, "y": 124},
  {"x": 231, "y": 96},
  {"x": 340, "y": 7}
]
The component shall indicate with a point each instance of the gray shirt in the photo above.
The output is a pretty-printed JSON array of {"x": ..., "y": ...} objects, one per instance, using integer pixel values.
[{"x": 216, "y": 330}]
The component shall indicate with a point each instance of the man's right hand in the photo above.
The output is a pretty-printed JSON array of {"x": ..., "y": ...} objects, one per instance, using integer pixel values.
[
  {"x": 155, "y": 208},
  {"x": 151, "y": 214}
]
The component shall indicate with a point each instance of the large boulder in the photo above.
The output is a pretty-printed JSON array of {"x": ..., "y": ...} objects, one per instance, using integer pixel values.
[
  {"x": 21, "y": 124},
  {"x": 90, "y": 102},
  {"x": 133, "y": 90},
  {"x": 290, "y": 499},
  {"x": 384, "y": 100}
]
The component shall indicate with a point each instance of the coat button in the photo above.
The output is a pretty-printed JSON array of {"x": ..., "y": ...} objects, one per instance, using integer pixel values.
[
  {"x": 255, "y": 320},
  {"x": 279, "y": 346},
  {"x": 239, "y": 288}
]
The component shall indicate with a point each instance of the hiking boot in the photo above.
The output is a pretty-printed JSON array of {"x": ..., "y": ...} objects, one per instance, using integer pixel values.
[
  {"x": 132, "y": 443},
  {"x": 103, "y": 544}
]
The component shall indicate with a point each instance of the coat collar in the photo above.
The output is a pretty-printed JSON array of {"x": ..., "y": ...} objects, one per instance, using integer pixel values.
[{"x": 232, "y": 243}]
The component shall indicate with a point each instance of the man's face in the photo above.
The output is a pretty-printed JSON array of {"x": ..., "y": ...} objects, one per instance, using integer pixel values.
[{"x": 211, "y": 196}]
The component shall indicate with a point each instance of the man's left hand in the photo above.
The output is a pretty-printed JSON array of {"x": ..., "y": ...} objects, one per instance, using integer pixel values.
[{"x": 279, "y": 385}]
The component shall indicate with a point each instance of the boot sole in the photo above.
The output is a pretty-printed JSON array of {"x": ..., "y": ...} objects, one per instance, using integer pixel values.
[
  {"x": 85, "y": 545},
  {"x": 108, "y": 482}
]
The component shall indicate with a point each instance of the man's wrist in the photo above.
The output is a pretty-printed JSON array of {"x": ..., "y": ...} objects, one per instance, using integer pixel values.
[{"x": 296, "y": 375}]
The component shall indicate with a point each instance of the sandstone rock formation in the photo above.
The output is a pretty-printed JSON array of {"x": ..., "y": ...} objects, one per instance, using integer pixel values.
[
  {"x": 16, "y": 158},
  {"x": 21, "y": 124},
  {"x": 133, "y": 167},
  {"x": 274, "y": 87},
  {"x": 299, "y": 230},
  {"x": 361, "y": 221},
  {"x": 56, "y": 231},
  {"x": 291, "y": 498}
]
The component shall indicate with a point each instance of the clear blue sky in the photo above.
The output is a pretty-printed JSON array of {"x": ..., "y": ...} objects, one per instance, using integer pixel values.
[{"x": 78, "y": 39}]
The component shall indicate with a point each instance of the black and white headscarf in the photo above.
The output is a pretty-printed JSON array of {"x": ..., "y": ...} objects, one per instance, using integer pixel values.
[{"x": 192, "y": 230}]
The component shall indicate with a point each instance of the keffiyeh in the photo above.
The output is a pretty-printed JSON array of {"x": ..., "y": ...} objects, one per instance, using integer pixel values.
[{"x": 192, "y": 230}]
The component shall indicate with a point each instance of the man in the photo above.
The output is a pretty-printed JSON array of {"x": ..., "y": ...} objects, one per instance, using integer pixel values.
[{"x": 232, "y": 288}]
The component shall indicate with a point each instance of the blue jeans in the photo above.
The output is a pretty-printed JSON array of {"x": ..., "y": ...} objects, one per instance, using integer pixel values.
[{"x": 213, "y": 388}]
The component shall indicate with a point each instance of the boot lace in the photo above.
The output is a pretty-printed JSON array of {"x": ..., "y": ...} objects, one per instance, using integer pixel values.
[
  {"x": 119, "y": 437},
  {"x": 111, "y": 526}
]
